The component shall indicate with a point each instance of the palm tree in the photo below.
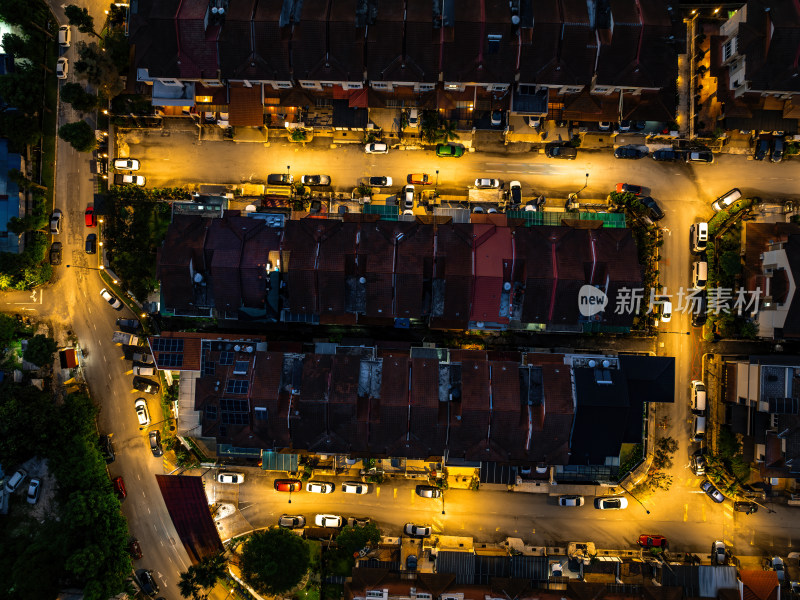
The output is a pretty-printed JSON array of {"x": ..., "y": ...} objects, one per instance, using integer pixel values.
[
  {"x": 187, "y": 586},
  {"x": 447, "y": 131},
  {"x": 210, "y": 570}
]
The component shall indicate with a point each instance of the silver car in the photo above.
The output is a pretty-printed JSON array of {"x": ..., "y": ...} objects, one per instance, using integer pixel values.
[
  {"x": 319, "y": 487},
  {"x": 328, "y": 521},
  {"x": 355, "y": 487},
  {"x": 418, "y": 531},
  {"x": 292, "y": 521}
]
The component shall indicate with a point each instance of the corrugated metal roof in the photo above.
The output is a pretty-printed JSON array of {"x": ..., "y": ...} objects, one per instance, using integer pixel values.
[{"x": 460, "y": 564}]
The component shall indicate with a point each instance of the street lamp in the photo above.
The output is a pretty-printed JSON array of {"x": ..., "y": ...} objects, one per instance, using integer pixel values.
[
  {"x": 442, "y": 501},
  {"x": 585, "y": 185},
  {"x": 635, "y": 498}
]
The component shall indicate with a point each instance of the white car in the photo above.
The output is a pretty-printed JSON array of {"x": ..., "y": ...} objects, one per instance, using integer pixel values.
[
  {"x": 34, "y": 489},
  {"x": 604, "y": 125},
  {"x": 611, "y": 503},
  {"x": 570, "y": 500},
  {"x": 62, "y": 67},
  {"x": 419, "y": 531},
  {"x": 133, "y": 180},
  {"x": 230, "y": 478},
  {"x": 408, "y": 197},
  {"x": 328, "y": 521},
  {"x": 376, "y": 148},
  {"x": 718, "y": 552},
  {"x": 319, "y": 487},
  {"x": 666, "y": 311},
  {"x": 64, "y": 36},
  {"x": 111, "y": 299},
  {"x": 16, "y": 480},
  {"x": 355, "y": 487},
  {"x": 487, "y": 183},
  {"x": 126, "y": 164},
  {"x": 141, "y": 412},
  {"x": 534, "y": 122}
]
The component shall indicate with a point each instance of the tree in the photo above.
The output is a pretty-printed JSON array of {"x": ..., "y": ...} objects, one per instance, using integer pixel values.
[
  {"x": 353, "y": 539},
  {"x": 17, "y": 46},
  {"x": 79, "y": 135},
  {"x": 80, "y": 99},
  {"x": 447, "y": 131},
  {"x": 23, "y": 88},
  {"x": 202, "y": 576},
  {"x": 40, "y": 350},
  {"x": 98, "y": 67},
  {"x": 80, "y": 18},
  {"x": 731, "y": 263},
  {"x": 274, "y": 561},
  {"x": 8, "y": 328},
  {"x": 20, "y": 130}
]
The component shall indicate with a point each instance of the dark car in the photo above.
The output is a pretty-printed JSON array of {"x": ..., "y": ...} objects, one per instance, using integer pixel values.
[
  {"x": 631, "y": 152},
  {"x": 700, "y": 317},
  {"x": 155, "y": 443},
  {"x": 316, "y": 180},
  {"x": 703, "y": 156},
  {"x": 698, "y": 463},
  {"x": 148, "y": 583},
  {"x": 106, "y": 448},
  {"x": 288, "y": 485},
  {"x": 148, "y": 386},
  {"x": 411, "y": 562},
  {"x": 653, "y": 209},
  {"x": 134, "y": 549},
  {"x": 762, "y": 149},
  {"x": 559, "y": 151},
  {"x": 515, "y": 193},
  {"x": 747, "y": 508},
  {"x": 380, "y": 181},
  {"x": 665, "y": 155},
  {"x": 292, "y": 521},
  {"x": 777, "y": 149},
  {"x": 428, "y": 491},
  {"x": 119, "y": 487},
  {"x": 129, "y": 325},
  {"x": 630, "y": 188},
  {"x": 55, "y": 253},
  {"x": 280, "y": 179},
  {"x": 91, "y": 243}
]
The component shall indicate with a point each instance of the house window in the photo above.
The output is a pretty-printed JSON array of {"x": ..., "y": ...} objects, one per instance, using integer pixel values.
[
  {"x": 453, "y": 87},
  {"x": 353, "y": 86},
  {"x": 237, "y": 386},
  {"x": 282, "y": 84},
  {"x": 423, "y": 596},
  {"x": 212, "y": 83},
  {"x": 374, "y": 594},
  {"x": 209, "y": 368},
  {"x": 380, "y": 86},
  {"x": 260, "y": 413},
  {"x": 272, "y": 101},
  {"x": 497, "y": 87},
  {"x": 327, "y": 84},
  {"x": 601, "y": 90},
  {"x": 172, "y": 82},
  {"x": 211, "y": 412},
  {"x": 426, "y": 87},
  {"x": 572, "y": 90},
  {"x": 308, "y": 84},
  {"x": 528, "y": 90},
  {"x": 728, "y": 49},
  {"x": 240, "y": 368},
  {"x": 323, "y": 102}
]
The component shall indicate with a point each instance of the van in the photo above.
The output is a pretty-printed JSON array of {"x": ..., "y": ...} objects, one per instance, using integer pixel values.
[
  {"x": 64, "y": 36},
  {"x": 698, "y": 236},
  {"x": 726, "y": 200},
  {"x": 700, "y": 274},
  {"x": 698, "y": 397},
  {"x": 143, "y": 370},
  {"x": 698, "y": 428}
]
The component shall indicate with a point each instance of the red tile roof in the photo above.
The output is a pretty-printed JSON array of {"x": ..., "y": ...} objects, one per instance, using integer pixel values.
[
  {"x": 197, "y": 42},
  {"x": 758, "y": 584},
  {"x": 246, "y": 108}
]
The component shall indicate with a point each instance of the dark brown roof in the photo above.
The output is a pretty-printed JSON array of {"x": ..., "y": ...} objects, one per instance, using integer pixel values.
[
  {"x": 245, "y": 108},
  {"x": 183, "y": 246},
  {"x": 152, "y": 33}
]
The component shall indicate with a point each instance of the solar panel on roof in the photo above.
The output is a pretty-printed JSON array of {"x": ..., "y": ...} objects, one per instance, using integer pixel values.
[
  {"x": 226, "y": 358},
  {"x": 167, "y": 345},
  {"x": 233, "y": 405},
  {"x": 237, "y": 386},
  {"x": 209, "y": 368},
  {"x": 170, "y": 360},
  {"x": 229, "y": 418}
]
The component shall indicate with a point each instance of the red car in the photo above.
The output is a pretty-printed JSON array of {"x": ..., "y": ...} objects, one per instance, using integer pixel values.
[
  {"x": 288, "y": 485},
  {"x": 418, "y": 179},
  {"x": 89, "y": 217},
  {"x": 119, "y": 487},
  {"x": 629, "y": 187},
  {"x": 134, "y": 549},
  {"x": 653, "y": 541}
]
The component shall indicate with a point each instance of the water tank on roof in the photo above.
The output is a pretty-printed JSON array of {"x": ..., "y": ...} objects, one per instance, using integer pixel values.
[
  {"x": 606, "y": 363},
  {"x": 592, "y": 364},
  {"x": 507, "y": 286},
  {"x": 198, "y": 278},
  {"x": 479, "y": 324},
  {"x": 248, "y": 349},
  {"x": 250, "y": 208},
  {"x": 236, "y": 348},
  {"x": 362, "y": 280}
]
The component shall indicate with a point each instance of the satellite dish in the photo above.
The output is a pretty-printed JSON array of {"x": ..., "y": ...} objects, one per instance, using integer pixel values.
[
  {"x": 515, "y": 19},
  {"x": 250, "y": 208}
]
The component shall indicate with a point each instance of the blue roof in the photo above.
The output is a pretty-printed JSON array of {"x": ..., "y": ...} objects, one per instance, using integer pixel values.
[{"x": 9, "y": 197}]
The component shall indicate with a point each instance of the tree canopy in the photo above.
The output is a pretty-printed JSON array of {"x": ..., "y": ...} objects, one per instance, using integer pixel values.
[
  {"x": 40, "y": 350},
  {"x": 80, "y": 99},
  {"x": 79, "y": 135},
  {"x": 353, "y": 539},
  {"x": 274, "y": 561},
  {"x": 202, "y": 576},
  {"x": 98, "y": 67},
  {"x": 80, "y": 18}
]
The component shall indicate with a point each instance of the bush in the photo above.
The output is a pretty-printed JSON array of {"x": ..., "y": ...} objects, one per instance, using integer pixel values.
[{"x": 40, "y": 350}]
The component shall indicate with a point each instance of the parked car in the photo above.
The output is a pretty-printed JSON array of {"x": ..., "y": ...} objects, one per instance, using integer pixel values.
[
  {"x": 570, "y": 500},
  {"x": 413, "y": 118},
  {"x": 89, "y": 217},
  {"x": 718, "y": 552},
  {"x": 119, "y": 487},
  {"x": 280, "y": 179},
  {"x": 726, "y": 200},
  {"x": 449, "y": 151},
  {"x": 34, "y": 489},
  {"x": 355, "y": 487},
  {"x": 630, "y": 152},
  {"x": 698, "y": 428},
  {"x": 701, "y": 156},
  {"x": 411, "y": 562},
  {"x": 629, "y": 188},
  {"x": 762, "y": 149},
  {"x": 497, "y": 118},
  {"x": 408, "y": 197},
  {"x": 697, "y": 461},
  {"x": 316, "y": 180},
  {"x": 134, "y": 549},
  {"x": 376, "y": 148},
  {"x": 560, "y": 151},
  {"x": 62, "y": 67},
  {"x": 778, "y": 567},
  {"x": 91, "y": 244},
  {"x": 778, "y": 145},
  {"x": 106, "y": 448},
  {"x": 534, "y": 122},
  {"x": 515, "y": 192},
  {"x": 144, "y": 370},
  {"x": 747, "y": 508},
  {"x": 666, "y": 311},
  {"x": 320, "y": 487},
  {"x": 653, "y": 541},
  {"x": 700, "y": 316},
  {"x": 653, "y": 209},
  {"x": 155, "y": 443},
  {"x": 142, "y": 357},
  {"x": 126, "y": 164},
  {"x": 64, "y": 36},
  {"x": 665, "y": 155},
  {"x": 418, "y": 179},
  {"x": 698, "y": 391},
  {"x": 712, "y": 492},
  {"x": 129, "y": 179},
  {"x": 111, "y": 299},
  {"x": 357, "y": 521},
  {"x": 428, "y": 491},
  {"x": 142, "y": 414},
  {"x": 12, "y": 485},
  {"x": 292, "y": 521},
  {"x": 418, "y": 531},
  {"x": 232, "y": 478},
  {"x": 288, "y": 485},
  {"x": 328, "y": 521},
  {"x": 147, "y": 386},
  {"x": 698, "y": 236},
  {"x": 129, "y": 325},
  {"x": 55, "y": 253},
  {"x": 55, "y": 222},
  {"x": 611, "y": 503},
  {"x": 148, "y": 583},
  {"x": 380, "y": 182},
  {"x": 487, "y": 184}
]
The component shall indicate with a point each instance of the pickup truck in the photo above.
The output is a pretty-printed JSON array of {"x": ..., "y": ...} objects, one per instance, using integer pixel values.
[{"x": 128, "y": 339}]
